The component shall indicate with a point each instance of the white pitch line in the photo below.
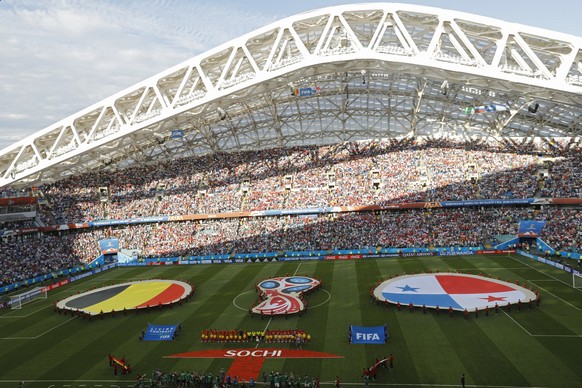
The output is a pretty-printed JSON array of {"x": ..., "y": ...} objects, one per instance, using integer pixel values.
[
  {"x": 57, "y": 326},
  {"x": 40, "y": 335},
  {"x": 297, "y": 269},
  {"x": 24, "y": 316},
  {"x": 18, "y": 338},
  {"x": 517, "y": 323},
  {"x": 542, "y": 335},
  {"x": 543, "y": 273},
  {"x": 481, "y": 269},
  {"x": 540, "y": 280},
  {"x": 236, "y": 297},
  {"x": 555, "y": 296},
  {"x": 264, "y": 330}
]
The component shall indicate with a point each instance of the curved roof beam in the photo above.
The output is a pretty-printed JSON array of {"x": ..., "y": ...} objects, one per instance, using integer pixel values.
[{"x": 416, "y": 40}]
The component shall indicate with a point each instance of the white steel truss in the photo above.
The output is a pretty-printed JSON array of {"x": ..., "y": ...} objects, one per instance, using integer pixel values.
[{"x": 336, "y": 74}]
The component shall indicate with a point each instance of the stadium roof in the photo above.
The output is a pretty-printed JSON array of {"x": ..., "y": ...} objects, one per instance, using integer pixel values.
[{"x": 337, "y": 74}]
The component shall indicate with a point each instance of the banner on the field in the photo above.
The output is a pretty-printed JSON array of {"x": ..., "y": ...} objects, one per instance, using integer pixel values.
[
  {"x": 368, "y": 334},
  {"x": 530, "y": 228},
  {"x": 160, "y": 332},
  {"x": 109, "y": 246}
]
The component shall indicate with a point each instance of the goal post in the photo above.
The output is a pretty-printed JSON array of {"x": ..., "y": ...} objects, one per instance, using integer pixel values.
[
  {"x": 576, "y": 279},
  {"x": 16, "y": 301}
]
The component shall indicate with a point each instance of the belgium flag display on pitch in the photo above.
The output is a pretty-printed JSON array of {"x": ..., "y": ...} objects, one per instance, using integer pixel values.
[{"x": 127, "y": 296}]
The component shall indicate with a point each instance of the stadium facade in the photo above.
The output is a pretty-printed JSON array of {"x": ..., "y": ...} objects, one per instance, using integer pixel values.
[{"x": 338, "y": 74}]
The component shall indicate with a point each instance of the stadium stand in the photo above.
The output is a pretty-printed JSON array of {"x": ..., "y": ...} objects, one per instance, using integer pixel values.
[
  {"x": 348, "y": 174},
  {"x": 404, "y": 170}
]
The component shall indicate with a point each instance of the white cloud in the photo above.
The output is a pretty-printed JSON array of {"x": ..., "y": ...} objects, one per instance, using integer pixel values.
[{"x": 59, "y": 57}]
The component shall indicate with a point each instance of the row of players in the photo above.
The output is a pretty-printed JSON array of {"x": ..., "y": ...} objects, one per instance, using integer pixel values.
[
  {"x": 291, "y": 336},
  {"x": 347, "y": 174},
  {"x": 37, "y": 254}
]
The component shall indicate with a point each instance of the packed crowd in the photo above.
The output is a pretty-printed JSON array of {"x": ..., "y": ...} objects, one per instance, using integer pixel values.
[
  {"x": 563, "y": 230},
  {"x": 31, "y": 255},
  {"x": 347, "y": 174},
  {"x": 411, "y": 228}
]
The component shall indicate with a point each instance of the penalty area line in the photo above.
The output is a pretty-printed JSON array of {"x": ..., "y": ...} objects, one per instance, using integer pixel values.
[
  {"x": 543, "y": 273},
  {"x": 40, "y": 335},
  {"x": 517, "y": 323},
  {"x": 541, "y": 335},
  {"x": 556, "y": 296},
  {"x": 23, "y": 316},
  {"x": 490, "y": 268}
]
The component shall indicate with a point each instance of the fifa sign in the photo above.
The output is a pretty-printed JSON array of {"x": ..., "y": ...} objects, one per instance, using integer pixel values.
[
  {"x": 368, "y": 334},
  {"x": 367, "y": 337}
]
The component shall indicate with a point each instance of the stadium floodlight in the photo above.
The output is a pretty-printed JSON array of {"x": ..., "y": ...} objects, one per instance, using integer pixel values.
[
  {"x": 533, "y": 107},
  {"x": 221, "y": 113},
  {"x": 444, "y": 87},
  {"x": 159, "y": 138}
]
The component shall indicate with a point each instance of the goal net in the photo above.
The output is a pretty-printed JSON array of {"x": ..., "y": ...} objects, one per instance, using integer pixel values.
[
  {"x": 16, "y": 301},
  {"x": 576, "y": 279}
]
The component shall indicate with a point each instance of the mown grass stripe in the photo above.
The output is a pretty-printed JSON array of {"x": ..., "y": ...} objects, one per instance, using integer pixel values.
[
  {"x": 152, "y": 352},
  {"x": 312, "y": 323},
  {"x": 510, "y": 340},
  {"x": 482, "y": 360},
  {"x": 368, "y": 272},
  {"x": 428, "y": 349},
  {"x": 343, "y": 311}
]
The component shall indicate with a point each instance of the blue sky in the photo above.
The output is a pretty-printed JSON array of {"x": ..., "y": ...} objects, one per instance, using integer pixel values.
[{"x": 60, "y": 56}]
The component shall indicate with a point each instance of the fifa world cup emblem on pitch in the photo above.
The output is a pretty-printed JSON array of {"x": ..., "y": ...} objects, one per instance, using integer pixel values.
[{"x": 283, "y": 295}]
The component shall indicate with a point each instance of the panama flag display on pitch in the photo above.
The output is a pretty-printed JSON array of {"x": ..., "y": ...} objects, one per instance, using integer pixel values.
[{"x": 459, "y": 291}]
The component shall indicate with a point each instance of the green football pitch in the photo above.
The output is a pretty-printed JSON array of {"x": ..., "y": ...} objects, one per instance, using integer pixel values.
[{"x": 537, "y": 347}]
